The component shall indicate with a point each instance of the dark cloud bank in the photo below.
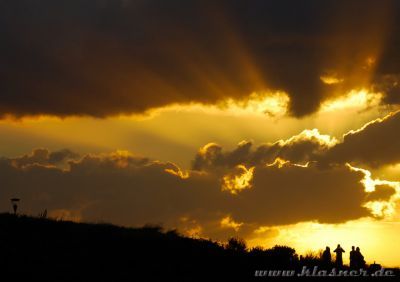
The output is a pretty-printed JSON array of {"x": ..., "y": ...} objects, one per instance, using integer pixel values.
[
  {"x": 131, "y": 190},
  {"x": 134, "y": 191},
  {"x": 103, "y": 57}
]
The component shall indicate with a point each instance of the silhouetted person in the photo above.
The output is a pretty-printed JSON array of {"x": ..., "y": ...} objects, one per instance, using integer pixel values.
[
  {"x": 326, "y": 257},
  {"x": 353, "y": 258},
  {"x": 339, "y": 258},
  {"x": 360, "y": 262}
]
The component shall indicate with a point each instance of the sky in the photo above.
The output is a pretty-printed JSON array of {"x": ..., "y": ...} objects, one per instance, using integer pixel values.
[{"x": 274, "y": 121}]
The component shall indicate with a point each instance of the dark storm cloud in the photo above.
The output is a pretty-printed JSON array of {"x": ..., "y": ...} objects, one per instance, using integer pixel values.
[
  {"x": 44, "y": 157},
  {"x": 304, "y": 194},
  {"x": 103, "y": 57},
  {"x": 381, "y": 193},
  {"x": 131, "y": 190},
  {"x": 374, "y": 145},
  {"x": 389, "y": 84}
]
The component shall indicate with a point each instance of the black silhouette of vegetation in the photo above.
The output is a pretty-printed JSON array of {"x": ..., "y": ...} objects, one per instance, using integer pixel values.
[{"x": 42, "y": 249}]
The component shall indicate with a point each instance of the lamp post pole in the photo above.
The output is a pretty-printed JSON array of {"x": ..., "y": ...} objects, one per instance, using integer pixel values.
[{"x": 14, "y": 203}]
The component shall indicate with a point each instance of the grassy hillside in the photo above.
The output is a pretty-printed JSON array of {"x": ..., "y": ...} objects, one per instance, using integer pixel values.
[{"x": 44, "y": 249}]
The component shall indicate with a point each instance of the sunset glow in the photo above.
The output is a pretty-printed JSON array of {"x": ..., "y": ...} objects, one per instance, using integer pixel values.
[{"x": 272, "y": 121}]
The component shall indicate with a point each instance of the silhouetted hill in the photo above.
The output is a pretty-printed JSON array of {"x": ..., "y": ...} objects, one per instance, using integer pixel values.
[{"x": 49, "y": 250}]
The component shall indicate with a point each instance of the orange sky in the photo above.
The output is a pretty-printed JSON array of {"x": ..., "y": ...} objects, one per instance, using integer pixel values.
[
  {"x": 175, "y": 134},
  {"x": 275, "y": 121}
]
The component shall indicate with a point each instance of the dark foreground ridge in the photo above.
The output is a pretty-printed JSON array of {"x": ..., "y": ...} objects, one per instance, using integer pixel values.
[{"x": 42, "y": 249}]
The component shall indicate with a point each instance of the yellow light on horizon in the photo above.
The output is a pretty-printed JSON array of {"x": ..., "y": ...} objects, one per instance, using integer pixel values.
[{"x": 312, "y": 236}]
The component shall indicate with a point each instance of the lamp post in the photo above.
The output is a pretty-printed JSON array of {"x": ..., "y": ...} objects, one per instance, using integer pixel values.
[{"x": 14, "y": 203}]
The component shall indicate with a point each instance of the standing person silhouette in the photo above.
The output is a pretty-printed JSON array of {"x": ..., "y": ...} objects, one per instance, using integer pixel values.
[
  {"x": 326, "y": 257},
  {"x": 353, "y": 258},
  {"x": 339, "y": 259},
  {"x": 359, "y": 258}
]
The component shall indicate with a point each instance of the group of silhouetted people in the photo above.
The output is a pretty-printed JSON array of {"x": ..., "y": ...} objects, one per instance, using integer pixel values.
[{"x": 356, "y": 258}]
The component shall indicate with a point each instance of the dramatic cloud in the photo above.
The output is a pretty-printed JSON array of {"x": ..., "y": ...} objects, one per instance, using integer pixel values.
[
  {"x": 130, "y": 190},
  {"x": 307, "y": 177},
  {"x": 108, "y": 57},
  {"x": 312, "y": 162},
  {"x": 46, "y": 158},
  {"x": 382, "y": 193},
  {"x": 300, "y": 148},
  {"x": 293, "y": 193},
  {"x": 376, "y": 144}
]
